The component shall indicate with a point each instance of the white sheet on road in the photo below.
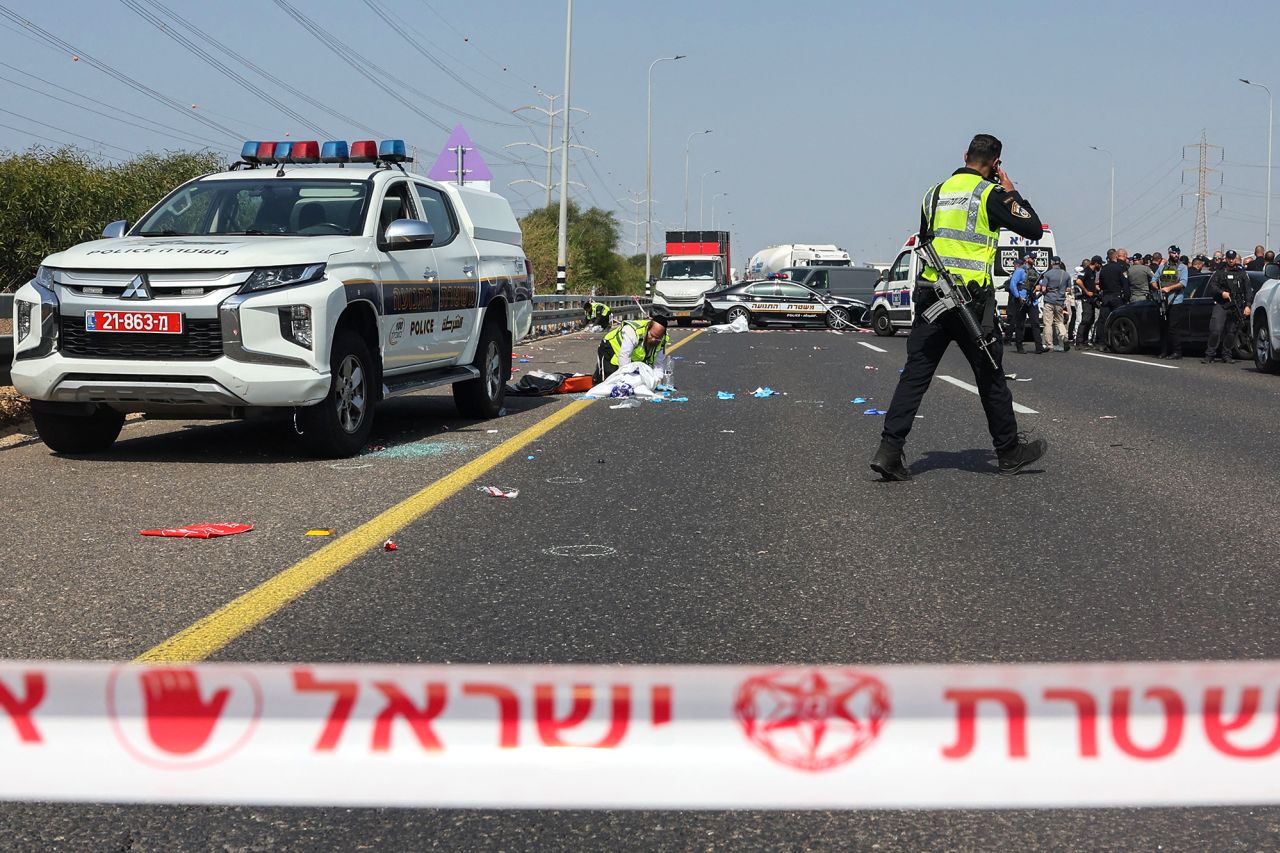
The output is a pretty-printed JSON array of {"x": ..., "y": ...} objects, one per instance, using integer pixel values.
[
  {"x": 637, "y": 379},
  {"x": 830, "y": 737},
  {"x": 738, "y": 325}
]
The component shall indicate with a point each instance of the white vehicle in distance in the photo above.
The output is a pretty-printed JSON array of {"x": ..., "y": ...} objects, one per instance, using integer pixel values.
[
  {"x": 777, "y": 258},
  {"x": 892, "y": 308},
  {"x": 1264, "y": 321},
  {"x": 305, "y": 281}
]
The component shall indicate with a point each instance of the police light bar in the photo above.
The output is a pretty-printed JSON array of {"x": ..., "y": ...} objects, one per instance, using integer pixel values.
[
  {"x": 393, "y": 151},
  {"x": 364, "y": 151},
  {"x": 335, "y": 151},
  {"x": 305, "y": 152},
  {"x": 249, "y": 152}
]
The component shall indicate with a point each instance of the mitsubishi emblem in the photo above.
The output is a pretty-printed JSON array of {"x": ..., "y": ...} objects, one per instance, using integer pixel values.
[{"x": 137, "y": 289}]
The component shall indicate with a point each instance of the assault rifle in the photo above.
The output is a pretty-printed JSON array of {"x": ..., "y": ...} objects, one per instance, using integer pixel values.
[
  {"x": 954, "y": 296},
  {"x": 1162, "y": 300}
]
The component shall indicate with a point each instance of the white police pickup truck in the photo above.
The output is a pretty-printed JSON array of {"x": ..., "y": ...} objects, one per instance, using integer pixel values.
[{"x": 278, "y": 285}]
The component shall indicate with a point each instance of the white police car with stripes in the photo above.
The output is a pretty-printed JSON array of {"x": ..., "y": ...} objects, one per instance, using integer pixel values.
[{"x": 310, "y": 280}]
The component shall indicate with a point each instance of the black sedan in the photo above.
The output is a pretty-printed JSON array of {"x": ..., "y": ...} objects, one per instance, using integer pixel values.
[
  {"x": 1136, "y": 326},
  {"x": 783, "y": 303}
]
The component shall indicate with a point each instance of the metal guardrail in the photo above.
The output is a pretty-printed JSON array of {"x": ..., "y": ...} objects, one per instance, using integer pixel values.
[{"x": 564, "y": 309}]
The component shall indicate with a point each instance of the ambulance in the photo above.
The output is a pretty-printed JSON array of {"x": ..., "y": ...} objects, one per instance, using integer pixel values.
[{"x": 892, "y": 308}]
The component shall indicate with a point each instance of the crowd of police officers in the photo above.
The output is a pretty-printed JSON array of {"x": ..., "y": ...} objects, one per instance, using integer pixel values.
[{"x": 1101, "y": 287}]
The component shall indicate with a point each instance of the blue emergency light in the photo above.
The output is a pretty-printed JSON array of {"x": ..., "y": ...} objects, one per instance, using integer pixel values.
[
  {"x": 392, "y": 151},
  {"x": 335, "y": 151},
  {"x": 249, "y": 152},
  {"x": 282, "y": 152}
]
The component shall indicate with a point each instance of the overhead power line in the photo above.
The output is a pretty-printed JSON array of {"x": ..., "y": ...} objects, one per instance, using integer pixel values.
[
  {"x": 231, "y": 74},
  {"x": 72, "y": 50}
]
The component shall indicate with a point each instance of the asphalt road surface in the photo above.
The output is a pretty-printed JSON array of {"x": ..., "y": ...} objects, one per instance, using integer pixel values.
[{"x": 747, "y": 531}]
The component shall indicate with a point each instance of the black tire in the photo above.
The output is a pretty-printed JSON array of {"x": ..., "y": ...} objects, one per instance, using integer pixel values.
[
  {"x": 1122, "y": 337},
  {"x": 684, "y": 322},
  {"x": 339, "y": 425},
  {"x": 882, "y": 324},
  {"x": 482, "y": 398},
  {"x": 1264, "y": 352},
  {"x": 839, "y": 318},
  {"x": 77, "y": 433},
  {"x": 739, "y": 311}
]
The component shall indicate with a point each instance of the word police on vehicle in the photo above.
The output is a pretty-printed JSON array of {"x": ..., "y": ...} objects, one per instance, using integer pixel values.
[{"x": 282, "y": 284}]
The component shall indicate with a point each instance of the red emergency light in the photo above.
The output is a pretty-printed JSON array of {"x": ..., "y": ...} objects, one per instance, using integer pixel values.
[
  {"x": 305, "y": 152},
  {"x": 364, "y": 151},
  {"x": 266, "y": 152}
]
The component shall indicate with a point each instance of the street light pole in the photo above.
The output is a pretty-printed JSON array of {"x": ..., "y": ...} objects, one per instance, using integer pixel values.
[
  {"x": 713, "y": 209},
  {"x": 648, "y": 178},
  {"x": 562, "y": 245},
  {"x": 702, "y": 188},
  {"x": 1270, "y": 124},
  {"x": 1111, "y": 240},
  {"x": 687, "y": 143}
]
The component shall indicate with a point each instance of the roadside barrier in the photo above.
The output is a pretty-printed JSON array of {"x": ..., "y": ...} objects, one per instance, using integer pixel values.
[
  {"x": 563, "y": 309},
  {"x": 829, "y": 737}
]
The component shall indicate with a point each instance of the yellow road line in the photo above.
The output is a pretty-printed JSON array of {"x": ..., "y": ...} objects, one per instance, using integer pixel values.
[{"x": 213, "y": 632}]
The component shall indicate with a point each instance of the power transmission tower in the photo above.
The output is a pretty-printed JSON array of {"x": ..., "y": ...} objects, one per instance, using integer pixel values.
[
  {"x": 550, "y": 148},
  {"x": 637, "y": 221},
  {"x": 1200, "y": 243}
]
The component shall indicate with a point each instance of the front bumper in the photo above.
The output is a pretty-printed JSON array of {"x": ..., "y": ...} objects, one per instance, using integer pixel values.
[
  {"x": 681, "y": 310},
  {"x": 232, "y": 355}
]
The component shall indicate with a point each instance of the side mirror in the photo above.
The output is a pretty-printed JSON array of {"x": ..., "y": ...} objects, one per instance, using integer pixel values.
[
  {"x": 116, "y": 229},
  {"x": 408, "y": 234},
  {"x": 1271, "y": 271}
]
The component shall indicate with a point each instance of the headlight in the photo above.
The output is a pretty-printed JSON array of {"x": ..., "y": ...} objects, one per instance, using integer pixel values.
[
  {"x": 269, "y": 278},
  {"x": 24, "y": 319},
  {"x": 44, "y": 278}
]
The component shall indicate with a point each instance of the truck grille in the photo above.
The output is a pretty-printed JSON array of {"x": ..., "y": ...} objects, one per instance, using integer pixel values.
[{"x": 201, "y": 340}]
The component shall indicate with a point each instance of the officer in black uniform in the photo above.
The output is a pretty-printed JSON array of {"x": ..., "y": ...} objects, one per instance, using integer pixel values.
[
  {"x": 928, "y": 342},
  {"x": 1231, "y": 289}
]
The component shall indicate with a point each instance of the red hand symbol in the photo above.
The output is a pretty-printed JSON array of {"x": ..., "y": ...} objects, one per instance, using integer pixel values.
[{"x": 178, "y": 720}]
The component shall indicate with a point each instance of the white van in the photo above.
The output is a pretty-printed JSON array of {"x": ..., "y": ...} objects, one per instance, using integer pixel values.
[{"x": 892, "y": 308}]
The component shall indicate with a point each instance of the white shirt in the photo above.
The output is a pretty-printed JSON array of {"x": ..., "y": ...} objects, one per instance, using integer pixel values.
[{"x": 628, "y": 341}]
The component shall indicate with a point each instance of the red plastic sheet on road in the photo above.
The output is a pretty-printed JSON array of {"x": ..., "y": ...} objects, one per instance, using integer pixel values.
[
  {"x": 199, "y": 531},
  {"x": 829, "y": 737}
]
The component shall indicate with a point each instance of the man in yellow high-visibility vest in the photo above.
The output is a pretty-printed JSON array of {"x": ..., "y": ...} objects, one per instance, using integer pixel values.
[{"x": 964, "y": 214}]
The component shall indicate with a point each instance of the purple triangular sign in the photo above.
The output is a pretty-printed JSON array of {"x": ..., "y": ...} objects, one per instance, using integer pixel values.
[{"x": 446, "y": 168}]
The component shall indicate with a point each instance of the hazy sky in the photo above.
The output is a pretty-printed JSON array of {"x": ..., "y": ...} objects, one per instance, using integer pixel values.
[{"x": 830, "y": 118}]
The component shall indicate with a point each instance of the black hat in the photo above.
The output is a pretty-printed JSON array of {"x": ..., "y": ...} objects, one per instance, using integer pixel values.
[
  {"x": 1175, "y": 250},
  {"x": 1055, "y": 260},
  {"x": 1231, "y": 254},
  {"x": 1096, "y": 259},
  {"x": 662, "y": 319}
]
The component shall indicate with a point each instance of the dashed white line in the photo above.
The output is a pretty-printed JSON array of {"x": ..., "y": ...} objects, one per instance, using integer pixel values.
[
  {"x": 871, "y": 346},
  {"x": 972, "y": 389},
  {"x": 1132, "y": 360}
]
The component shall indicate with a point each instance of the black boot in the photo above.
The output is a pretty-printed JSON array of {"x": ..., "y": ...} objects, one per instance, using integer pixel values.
[
  {"x": 1021, "y": 455},
  {"x": 888, "y": 463}
]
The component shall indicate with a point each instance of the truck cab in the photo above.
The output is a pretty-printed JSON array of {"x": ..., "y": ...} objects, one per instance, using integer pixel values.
[
  {"x": 892, "y": 307},
  {"x": 696, "y": 263}
]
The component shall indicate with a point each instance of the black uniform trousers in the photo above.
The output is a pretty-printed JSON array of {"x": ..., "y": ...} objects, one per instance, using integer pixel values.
[
  {"x": 926, "y": 345},
  {"x": 1019, "y": 312},
  {"x": 1110, "y": 302},
  {"x": 1087, "y": 313},
  {"x": 1171, "y": 330},
  {"x": 1222, "y": 333}
]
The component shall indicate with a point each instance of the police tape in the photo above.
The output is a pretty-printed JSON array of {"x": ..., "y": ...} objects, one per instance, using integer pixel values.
[{"x": 831, "y": 737}]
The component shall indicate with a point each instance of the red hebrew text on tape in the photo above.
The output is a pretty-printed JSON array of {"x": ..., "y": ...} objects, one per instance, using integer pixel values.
[{"x": 825, "y": 737}]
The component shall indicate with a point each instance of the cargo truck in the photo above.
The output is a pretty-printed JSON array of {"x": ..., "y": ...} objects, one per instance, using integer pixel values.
[{"x": 695, "y": 263}]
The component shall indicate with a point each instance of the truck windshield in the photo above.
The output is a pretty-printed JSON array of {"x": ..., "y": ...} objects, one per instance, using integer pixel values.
[
  {"x": 303, "y": 208},
  {"x": 688, "y": 269}
]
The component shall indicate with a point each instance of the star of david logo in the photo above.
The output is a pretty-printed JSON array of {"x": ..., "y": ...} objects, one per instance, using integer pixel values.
[{"x": 812, "y": 720}]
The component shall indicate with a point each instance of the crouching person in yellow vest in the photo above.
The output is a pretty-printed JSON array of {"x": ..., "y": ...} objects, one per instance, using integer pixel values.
[
  {"x": 595, "y": 312},
  {"x": 634, "y": 340}
]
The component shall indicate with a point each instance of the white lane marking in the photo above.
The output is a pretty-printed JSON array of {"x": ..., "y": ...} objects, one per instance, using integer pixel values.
[
  {"x": 871, "y": 346},
  {"x": 972, "y": 389},
  {"x": 1132, "y": 360}
]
